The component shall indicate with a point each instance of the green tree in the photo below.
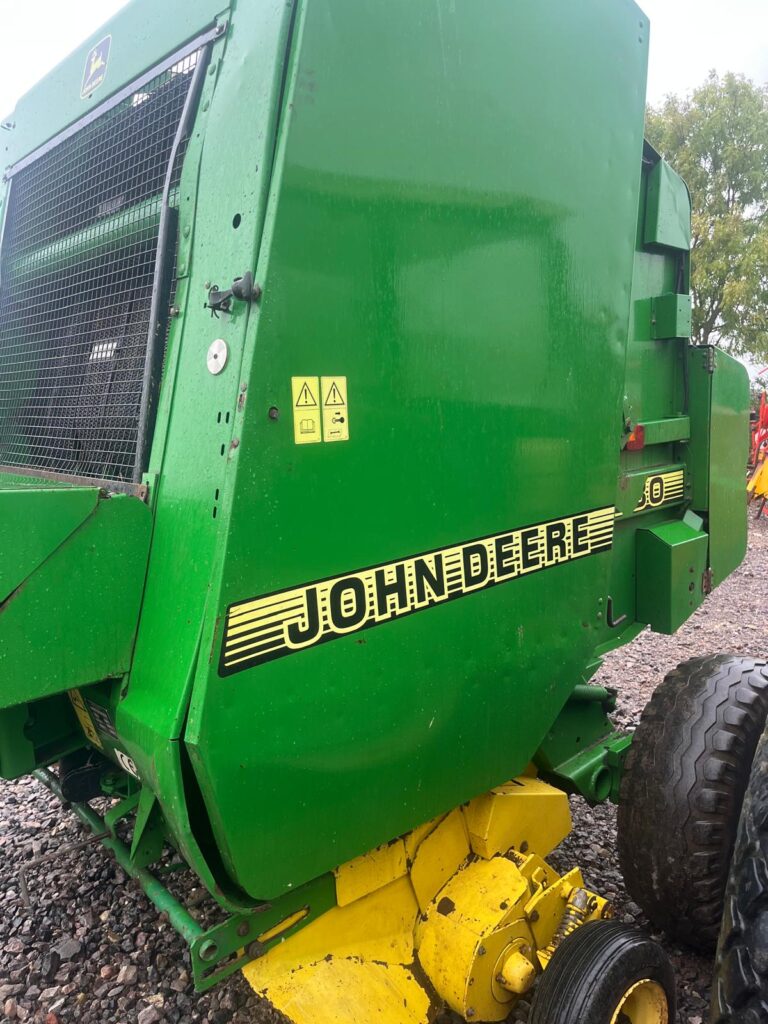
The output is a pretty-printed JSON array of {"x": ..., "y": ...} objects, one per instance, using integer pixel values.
[{"x": 717, "y": 139}]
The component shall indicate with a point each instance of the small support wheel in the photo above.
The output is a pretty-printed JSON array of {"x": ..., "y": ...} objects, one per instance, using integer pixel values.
[{"x": 606, "y": 973}]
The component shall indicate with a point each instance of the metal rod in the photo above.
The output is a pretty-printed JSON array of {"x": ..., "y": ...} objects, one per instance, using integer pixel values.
[
  {"x": 125, "y": 227},
  {"x": 108, "y": 486},
  {"x": 135, "y": 86},
  {"x": 3, "y": 222},
  {"x": 62, "y": 851},
  {"x": 157, "y": 317},
  {"x": 181, "y": 920},
  {"x": 589, "y": 694}
]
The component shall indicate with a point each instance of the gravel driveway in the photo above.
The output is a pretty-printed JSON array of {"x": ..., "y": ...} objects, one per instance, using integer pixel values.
[{"x": 93, "y": 950}]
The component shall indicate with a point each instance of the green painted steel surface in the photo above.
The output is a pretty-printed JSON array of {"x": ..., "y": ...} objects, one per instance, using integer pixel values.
[
  {"x": 72, "y": 621},
  {"x": 35, "y": 522},
  {"x": 478, "y": 246},
  {"x": 729, "y": 447},
  {"x": 668, "y": 221},
  {"x": 671, "y": 563},
  {"x": 453, "y": 273}
]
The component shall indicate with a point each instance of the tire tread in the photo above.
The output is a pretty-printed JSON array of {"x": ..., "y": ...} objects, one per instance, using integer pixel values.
[
  {"x": 740, "y": 993},
  {"x": 682, "y": 789}
]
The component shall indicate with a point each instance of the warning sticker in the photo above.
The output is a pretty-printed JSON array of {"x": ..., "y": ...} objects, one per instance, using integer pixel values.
[
  {"x": 335, "y": 410},
  {"x": 76, "y": 699},
  {"x": 306, "y": 410}
]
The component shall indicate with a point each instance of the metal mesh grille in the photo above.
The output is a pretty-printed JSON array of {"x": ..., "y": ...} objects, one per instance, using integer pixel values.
[{"x": 78, "y": 269}]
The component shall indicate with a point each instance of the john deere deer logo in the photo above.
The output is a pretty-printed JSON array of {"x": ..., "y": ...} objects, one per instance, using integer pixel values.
[{"x": 95, "y": 67}]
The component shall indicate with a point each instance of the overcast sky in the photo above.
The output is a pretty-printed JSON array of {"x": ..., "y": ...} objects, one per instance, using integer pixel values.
[{"x": 689, "y": 37}]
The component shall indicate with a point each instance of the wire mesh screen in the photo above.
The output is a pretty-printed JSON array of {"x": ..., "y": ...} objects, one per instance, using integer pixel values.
[{"x": 78, "y": 270}]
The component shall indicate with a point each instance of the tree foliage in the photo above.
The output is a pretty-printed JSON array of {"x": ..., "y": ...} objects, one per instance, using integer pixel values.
[{"x": 717, "y": 139}]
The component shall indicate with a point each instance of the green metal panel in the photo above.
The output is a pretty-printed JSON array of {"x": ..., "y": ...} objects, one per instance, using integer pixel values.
[
  {"x": 35, "y": 522},
  {"x": 677, "y": 428},
  {"x": 74, "y": 619},
  {"x": 719, "y": 403},
  {"x": 655, "y": 397},
  {"x": 431, "y": 215},
  {"x": 671, "y": 316},
  {"x": 701, "y": 364},
  {"x": 729, "y": 448},
  {"x": 671, "y": 563},
  {"x": 668, "y": 217},
  {"x": 221, "y": 216},
  {"x": 367, "y": 271}
]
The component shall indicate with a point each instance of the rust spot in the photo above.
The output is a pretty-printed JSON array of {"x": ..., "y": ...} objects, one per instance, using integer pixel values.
[{"x": 446, "y": 906}]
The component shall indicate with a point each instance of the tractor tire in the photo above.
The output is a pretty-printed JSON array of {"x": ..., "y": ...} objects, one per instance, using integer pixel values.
[
  {"x": 740, "y": 992},
  {"x": 606, "y": 972},
  {"x": 681, "y": 793}
]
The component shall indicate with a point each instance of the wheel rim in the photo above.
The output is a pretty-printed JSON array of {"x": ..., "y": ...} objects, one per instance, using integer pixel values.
[{"x": 644, "y": 1003}]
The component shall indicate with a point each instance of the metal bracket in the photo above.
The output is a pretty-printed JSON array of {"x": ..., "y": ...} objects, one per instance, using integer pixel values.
[{"x": 243, "y": 289}]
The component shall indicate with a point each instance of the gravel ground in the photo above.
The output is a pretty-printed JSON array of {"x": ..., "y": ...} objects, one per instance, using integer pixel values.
[{"x": 93, "y": 950}]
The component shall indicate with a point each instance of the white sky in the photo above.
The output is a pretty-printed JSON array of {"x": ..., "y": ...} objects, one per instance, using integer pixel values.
[{"x": 689, "y": 37}]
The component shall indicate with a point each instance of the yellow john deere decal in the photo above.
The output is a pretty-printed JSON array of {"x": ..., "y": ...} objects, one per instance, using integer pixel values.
[
  {"x": 662, "y": 489},
  {"x": 291, "y": 620}
]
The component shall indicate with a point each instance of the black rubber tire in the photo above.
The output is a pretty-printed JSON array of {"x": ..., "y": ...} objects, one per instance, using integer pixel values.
[
  {"x": 592, "y": 970},
  {"x": 682, "y": 790},
  {"x": 740, "y": 992}
]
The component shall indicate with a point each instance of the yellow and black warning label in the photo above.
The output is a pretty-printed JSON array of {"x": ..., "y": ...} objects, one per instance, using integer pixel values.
[
  {"x": 306, "y": 410},
  {"x": 662, "y": 489},
  {"x": 335, "y": 408},
  {"x": 84, "y": 717},
  {"x": 292, "y": 620}
]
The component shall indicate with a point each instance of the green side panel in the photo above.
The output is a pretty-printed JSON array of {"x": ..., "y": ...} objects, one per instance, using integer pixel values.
[
  {"x": 719, "y": 407},
  {"x": 451, "y": 255},
  {"x": 701, "y": 362},
  {"x": 671, "y": 563},
  {"x": 222, "y": 211},
  {"x": 668, "y": 216},
  {"x": 671, "y": 316},
  {"x": 74, "y": 619},
  {"x": 34, "y": 523},
  {"x": 729, "y": 447}
]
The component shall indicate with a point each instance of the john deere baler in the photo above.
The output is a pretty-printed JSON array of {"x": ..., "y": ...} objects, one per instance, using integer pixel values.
[{"x": 348, "y": 417}]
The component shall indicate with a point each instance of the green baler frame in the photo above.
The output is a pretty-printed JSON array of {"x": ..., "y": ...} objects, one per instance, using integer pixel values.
[{"x": 355, "y": 228}]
